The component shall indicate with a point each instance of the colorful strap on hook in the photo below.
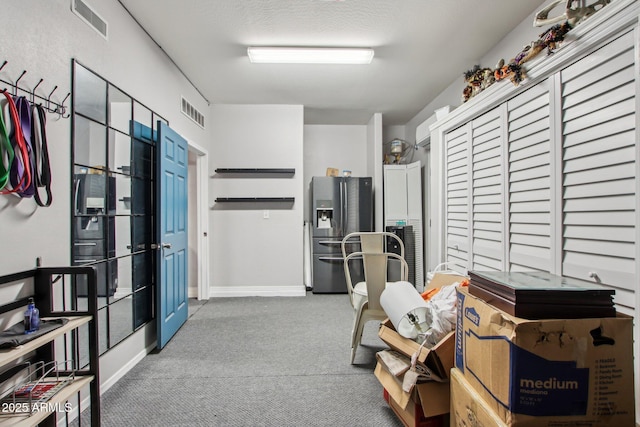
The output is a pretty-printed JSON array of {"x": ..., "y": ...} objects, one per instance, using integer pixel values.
[
  {"x": 24, "y": 114},
  {"x": 20, "y": 173},
  {"x": 6, "y": 153},
  {"x": 40, "y": 146}
]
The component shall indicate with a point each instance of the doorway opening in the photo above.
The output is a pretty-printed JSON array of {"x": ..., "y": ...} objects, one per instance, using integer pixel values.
[{"x": 198, "y": 221}]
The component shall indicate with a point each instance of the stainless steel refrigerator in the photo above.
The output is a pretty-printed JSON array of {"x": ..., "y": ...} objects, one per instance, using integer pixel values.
[{"x": 340, "y": 205}]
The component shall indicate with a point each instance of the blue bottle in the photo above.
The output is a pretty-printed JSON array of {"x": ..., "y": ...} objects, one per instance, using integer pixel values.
[{"x": 31, "y": 318}]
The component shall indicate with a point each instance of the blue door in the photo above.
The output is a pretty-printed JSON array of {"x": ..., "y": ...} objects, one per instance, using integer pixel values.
[{"x": 171, "y": 219}]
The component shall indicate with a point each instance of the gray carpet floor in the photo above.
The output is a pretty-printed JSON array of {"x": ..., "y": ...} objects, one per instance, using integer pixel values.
[{"x": 256, "y": 361}]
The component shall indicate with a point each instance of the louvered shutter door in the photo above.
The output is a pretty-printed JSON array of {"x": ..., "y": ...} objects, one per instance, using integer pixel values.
[
  {"x": 486, "y": 187},
  {"x": 457, "y": 197},
  {"x": 599, "y": 181},
  {"x": 529, "y": 180}
]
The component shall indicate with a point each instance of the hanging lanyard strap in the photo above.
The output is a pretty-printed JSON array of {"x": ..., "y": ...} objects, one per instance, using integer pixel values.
[
  {"x": 6, "y": 153},
  {"x": 42, "y": 168},
  {"x": 20, "y": 173}
]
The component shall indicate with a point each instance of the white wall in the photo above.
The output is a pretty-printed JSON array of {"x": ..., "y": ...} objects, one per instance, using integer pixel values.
[
  {"x": 193, "y": 230},
  {"x": 251, "y": 254},
  {"x": 506, "y": 49},
  {"x": 374, "y": 168},
  {"x": 332, "y": 146},
  {"x": 42, "y": 37}
]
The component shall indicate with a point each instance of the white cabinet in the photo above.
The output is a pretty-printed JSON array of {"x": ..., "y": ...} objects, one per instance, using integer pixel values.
[
  {"x": 403, "y": 206},
  {"x": 547, "y": 178},
  {"x": 567, "y": 145}
]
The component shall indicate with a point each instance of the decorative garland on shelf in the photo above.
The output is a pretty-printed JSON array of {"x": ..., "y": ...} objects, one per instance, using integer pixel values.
[{"x": 477, "y": 79}]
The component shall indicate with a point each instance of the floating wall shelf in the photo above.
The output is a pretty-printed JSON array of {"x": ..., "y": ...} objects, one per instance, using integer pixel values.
[
  {"x": 257, "y": 171},
  {"x": 255, "y": 199}
]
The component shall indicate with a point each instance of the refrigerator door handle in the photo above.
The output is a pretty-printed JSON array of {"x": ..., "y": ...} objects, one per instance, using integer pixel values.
[
  {"x": 330, "y": 258},
  {"x": 343, "y": 182},
  {"x": 330, "y": 242}
]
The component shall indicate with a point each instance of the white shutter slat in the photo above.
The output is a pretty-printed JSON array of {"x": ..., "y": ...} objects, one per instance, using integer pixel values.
[
  {"x": 611, "y": 142},
  {"x": 517, "y": 229},
  {"x": 600, "y": 117},
  {"x": 532, "y": 240},
  {"x": 614, "y": 126},
  {"x": 539, "y": 168},
  {"x": 489, "y": 235},
  {"x": 487, "y": 167},
  {"x": 596, "y": 161},
  {"x": 495, "y": 170},
  {"x": 530, "y": 196},
  {"x": 612, "y": 93},
  {"x": 485, "y": 263},
  {"x": 603, "y": 55},
  {"x": 531, "y": 206},
  {"x": 616, "y": 68},
  {"x": 619, "y": 234},
  {"x": 488, "y": 134},
  {"x": 457, "y": 189},
  {"x": 531, "y": 218},
  {"x": 532, "y": 127},
  {"x": 529, "y": 100},
  {"x": 530, "y": 257},
  {"x": 602, "y": 219},
  {"x": 608, "y": 173},
  {"x": 601, "y": 248},
  {"x": 517, "y": 147},
  {"x": 601, "y": 204},
  {"x": 618, "y": 272},
  {"x": 529, "y": 152},
  {"x": 541, "y": 183}
]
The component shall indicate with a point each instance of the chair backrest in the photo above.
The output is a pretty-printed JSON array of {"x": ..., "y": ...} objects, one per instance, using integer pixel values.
[
  {"x": 375, "y": 273},
  {"x": 370, "y": 242}
]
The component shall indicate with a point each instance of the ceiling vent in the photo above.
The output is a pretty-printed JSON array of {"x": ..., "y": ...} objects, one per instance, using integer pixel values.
[
  {"x": 88, "y": 15},
  {"x": 191, "y": 112}
]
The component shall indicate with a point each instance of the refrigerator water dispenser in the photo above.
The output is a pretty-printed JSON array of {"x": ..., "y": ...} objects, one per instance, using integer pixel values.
[{"x": 323, "y": 217}]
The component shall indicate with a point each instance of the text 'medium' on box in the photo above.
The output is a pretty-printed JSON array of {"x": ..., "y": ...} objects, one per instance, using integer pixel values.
[{"x": 550, "y": 370}]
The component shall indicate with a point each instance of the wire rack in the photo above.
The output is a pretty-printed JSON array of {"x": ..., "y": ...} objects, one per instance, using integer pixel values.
[{"x": 42, "y": 382}]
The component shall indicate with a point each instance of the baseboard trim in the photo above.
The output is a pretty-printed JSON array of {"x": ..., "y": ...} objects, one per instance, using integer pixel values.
[
  {"x": 108, "y": 383},
  {"x": 86, "y": 400},
  {"x": 256, "y": 291},
  {"x": 192, "y": 292}
]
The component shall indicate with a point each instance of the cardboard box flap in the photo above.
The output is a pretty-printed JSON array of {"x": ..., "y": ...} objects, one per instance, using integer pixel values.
[
  {"x": 393, "y": 385},
  {"x": 439, "y": 359},
  {"x": 433, "y": 396},
  {"x": 444, "y": 279}
]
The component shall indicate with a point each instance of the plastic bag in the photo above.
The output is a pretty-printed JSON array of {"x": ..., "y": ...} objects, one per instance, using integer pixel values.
[{"x": 441, "y": 315}]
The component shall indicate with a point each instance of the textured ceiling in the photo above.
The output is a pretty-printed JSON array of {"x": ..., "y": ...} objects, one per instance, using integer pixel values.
[{"x": 420, "y": 48}]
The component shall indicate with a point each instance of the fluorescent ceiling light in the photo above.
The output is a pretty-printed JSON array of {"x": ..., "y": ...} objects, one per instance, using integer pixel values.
[{"x": 310, "y": 55}]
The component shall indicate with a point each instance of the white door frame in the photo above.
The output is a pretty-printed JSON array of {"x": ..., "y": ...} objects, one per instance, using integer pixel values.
[{"x": 202, "y": 213}]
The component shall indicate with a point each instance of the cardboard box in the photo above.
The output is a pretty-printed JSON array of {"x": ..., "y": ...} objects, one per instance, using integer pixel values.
[
  {"x": 413, "y": 416},
  {"x": 432, "y": 397},
  {"x": 468, "y": 408},
  {"x": 551, "y": 372},
  {"x": 332, "y": 172},
  {"x": 438, "y": 359}
]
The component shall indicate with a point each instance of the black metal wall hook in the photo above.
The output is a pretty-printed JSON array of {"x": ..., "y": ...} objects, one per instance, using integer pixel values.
[
  {"x": 63, "y": 112},
  {"x": 46, "y": 102},
  {"x": 15, "y": 86},
  {"x": 33, "y": 93}
]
